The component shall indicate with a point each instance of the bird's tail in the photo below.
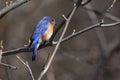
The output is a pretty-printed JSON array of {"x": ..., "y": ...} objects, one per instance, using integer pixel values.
[{"x": 34, "y": 53}]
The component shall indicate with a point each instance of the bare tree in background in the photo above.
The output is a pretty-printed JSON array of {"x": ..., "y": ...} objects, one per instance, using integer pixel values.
[{"x": 78, "y": 58}]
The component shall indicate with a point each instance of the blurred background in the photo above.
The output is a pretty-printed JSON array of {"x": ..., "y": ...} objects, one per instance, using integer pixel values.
[{"x": 78, "y": 58}]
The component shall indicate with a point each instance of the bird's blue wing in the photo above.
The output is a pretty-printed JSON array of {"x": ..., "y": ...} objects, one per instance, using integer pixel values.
[{"x": 39, "y": 30}]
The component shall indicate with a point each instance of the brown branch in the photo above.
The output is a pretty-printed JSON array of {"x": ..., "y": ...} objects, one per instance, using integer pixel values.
[
  {"x": 11, "y": 7},
  {"x": 46, "y": 67},
  {"x": 86, "y": 2},
  {"x": 27, "y": 66},
  {"x": 87, "y": 29},
  {"x": 25, "y": 49},
  {"x": 109, "y": 8},
  {"x": 15, "y": 51},
  {"x": 1, "y": 49},
  {"x": 110, "y": 25},
  {"x": 6, "y": 65},
  {"x": 78, "y": 4}
]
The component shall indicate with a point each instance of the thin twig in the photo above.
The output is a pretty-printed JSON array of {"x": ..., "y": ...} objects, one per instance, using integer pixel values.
[
  {"x": 8, "y": 65},
  {"x": 86, "y": 2},
  {"x": 12, "y": 6},
  {"x": 1, "y": 48},
  {"x": 64, "y": 17},
  {"x": 45, "y": 68},
  {"x": 25, "y": 49},
  {"x": 78, "y": 4},
  {"x": 87, "y": 29},
  {"x": 110, "y": 25},
  {"x": 0, "y": 55},
  {"x": 108, "y": 10},
  {"x": 15, "y": 51},
  {"x": 110, "y": 16},
  {"x": 80, "y": 32},
  {"x": 111, "y": 6},
  {"x": 27, "y": 65}
]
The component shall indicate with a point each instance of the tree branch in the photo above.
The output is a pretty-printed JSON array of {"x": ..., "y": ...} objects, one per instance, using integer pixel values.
[
  {"x": 45, "y": 68},
  {"x": 78, "y": 4},
  {"x": 15, "y": 51},
  {"x": 12, "y": 6},
  {"x": 87, "y": 29},
  {"x": 25, "y": 49},
  {"x": 86, "y": 2},
  {"x": 27, "y": 65},
  {"x": 6, "y": 65}
]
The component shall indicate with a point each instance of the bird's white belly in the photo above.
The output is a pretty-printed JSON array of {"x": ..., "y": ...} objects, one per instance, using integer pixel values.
[
  {"x": 49, "y": 35},
  {"x": 46, "y": 37}
]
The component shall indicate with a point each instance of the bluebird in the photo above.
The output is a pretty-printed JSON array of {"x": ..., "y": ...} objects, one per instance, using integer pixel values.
[{"x": 42, "y": 32}]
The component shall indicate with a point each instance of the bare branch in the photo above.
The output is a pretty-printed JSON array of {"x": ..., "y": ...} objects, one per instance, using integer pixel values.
[
  {"x": 86, "y": 2},
  {"x": 12, "y": 6},
  {"x": 80, "y": 32},
  {"x": 0, "y": 55},
  {"x": 45, "y": 68},
  {"x": 8, "y": 65},
  {"x": 110, "y": 25},
  {"x": 15, "y": 51},
  {"x": 73, "y": 31},
  {"x": 25, "y": 49},
  {"x": 1, "y": 48},
  {"x": 87, "y": 29},
  {"x": 110, "y": 16},
  {"x": 64, "y": 17},
  {"x": 110, "y": 7},
  {"x": 78, "y": 4},
  {"x": 27, "y": 66}
]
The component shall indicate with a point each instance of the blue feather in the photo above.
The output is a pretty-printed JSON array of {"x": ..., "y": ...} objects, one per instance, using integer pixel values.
[
  {"x": 34, "y": 53},
  {"x": 38, "y": 32},
  {"x": 40, "y": 29}
]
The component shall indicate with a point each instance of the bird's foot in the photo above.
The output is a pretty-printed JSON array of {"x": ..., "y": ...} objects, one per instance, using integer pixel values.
[{"x": 54, "y": 42}]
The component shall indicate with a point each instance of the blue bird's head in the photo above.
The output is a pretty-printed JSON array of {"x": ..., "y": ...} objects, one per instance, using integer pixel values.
[{"x": 50, "y": 18}]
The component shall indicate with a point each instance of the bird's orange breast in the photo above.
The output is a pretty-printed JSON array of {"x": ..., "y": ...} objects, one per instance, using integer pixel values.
[{"x": 48, "y": 33}]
